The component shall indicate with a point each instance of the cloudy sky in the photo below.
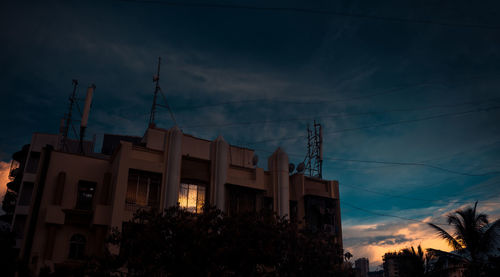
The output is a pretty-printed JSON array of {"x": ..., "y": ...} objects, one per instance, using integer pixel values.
[{"x": 407, "y": 92}]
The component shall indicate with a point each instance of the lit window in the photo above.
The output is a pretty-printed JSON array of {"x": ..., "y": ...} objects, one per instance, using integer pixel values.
[
  {"x": 77, "y": 247},
  {"x": 192, "y": 197},
  {"x": 143, "y": 188},
  {"x": 86, "y": 191}
]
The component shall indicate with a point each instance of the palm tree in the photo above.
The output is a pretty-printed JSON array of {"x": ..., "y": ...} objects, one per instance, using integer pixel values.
[
  {"x": 413, "y": 262},
  {"x": 473, "y": 239}
]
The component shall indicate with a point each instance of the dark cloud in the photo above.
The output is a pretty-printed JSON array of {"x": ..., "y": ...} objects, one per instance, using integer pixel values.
[
  {"x": 302, "y": 66},
  {"x": 385, "y": 240}
]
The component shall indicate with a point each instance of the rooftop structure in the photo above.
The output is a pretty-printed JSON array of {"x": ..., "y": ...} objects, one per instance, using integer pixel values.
[{"x": 70, "y": 199}]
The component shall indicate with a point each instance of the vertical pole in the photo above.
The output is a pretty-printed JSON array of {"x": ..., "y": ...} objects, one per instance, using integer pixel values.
[
  {"x": 156, "y": 79},
  {"x": 72, "y": 99}
]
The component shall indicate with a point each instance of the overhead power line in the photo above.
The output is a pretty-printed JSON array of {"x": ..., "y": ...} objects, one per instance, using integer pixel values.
[
  {"x": 399, "y": 163},
  {"x": 417, "y": 164},
  {"x": 389, "y": 215},
  {"x": 317, "y": 11},
  {"x": 296, "y": 102},
  {"x": 384, "y": 124},
  {"x": 422, "y": 164},
  {"x": 423, "y": 161},
  {"x": 335, "y": 115},
  {"x": 413, "y": 198}
]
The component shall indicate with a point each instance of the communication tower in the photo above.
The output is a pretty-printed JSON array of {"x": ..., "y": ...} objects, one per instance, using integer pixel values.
[
  {"x": 314, "y": 159},
  {"x": 152, "y": 115}
]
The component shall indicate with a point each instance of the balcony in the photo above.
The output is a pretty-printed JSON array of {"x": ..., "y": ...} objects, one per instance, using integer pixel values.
[{"x": 78, "y": 217}]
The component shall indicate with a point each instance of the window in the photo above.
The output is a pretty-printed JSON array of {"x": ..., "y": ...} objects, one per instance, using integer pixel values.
[
  {"x": 243, "y": 199},
  {"x": 25, "y": 198},
  {"x": 77, "y": 247},
  {"x": 320, "y": 214},
  {"x": 33, "y": 160},
  {"x": 192, "y": 197},
  {"x": 143, "y": 188},
  {"x": 294, "y": 211},
  {"x": 85, "y": 196},
  {"x": 19, "y": 224}
]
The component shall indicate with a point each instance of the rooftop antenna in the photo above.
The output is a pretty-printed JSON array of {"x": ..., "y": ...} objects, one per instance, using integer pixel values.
[
  {"x": 156, "y": 79},
  {"x": 67, "y": 124},
  {"x": 314, "y": 159},
  {"x": 152, "y": 116},
  {"x": 85, "y": 115}
]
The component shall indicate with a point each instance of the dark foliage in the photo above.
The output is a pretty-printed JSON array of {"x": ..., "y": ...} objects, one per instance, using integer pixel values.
[
  {"x": 410, "y": 263},
  {"x": 473, "y": 240},
  {"x": 179, "y": 243},
  {"x": 7, "y": 252},
  {"x": 9, "y": 202}
]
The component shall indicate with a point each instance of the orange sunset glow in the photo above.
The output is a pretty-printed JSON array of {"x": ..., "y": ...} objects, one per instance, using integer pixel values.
[
  {"x": 415, "y": 234},
  {"x": 4, "y": 177}
]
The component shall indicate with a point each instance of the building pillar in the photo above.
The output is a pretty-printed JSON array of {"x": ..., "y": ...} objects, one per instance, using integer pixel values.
[
  {"x": 172, "y": 172},
  {"x": 220, "y": 166},
  {"x": 278, "y": 164},
  {"x": 50, "y": 241}
]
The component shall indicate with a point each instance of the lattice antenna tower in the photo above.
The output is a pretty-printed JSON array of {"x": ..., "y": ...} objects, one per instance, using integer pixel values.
[
  {"x": 314, "y": 159},
  {"x": 152, "y": 116},
  {"x": 66, "y": 123}
]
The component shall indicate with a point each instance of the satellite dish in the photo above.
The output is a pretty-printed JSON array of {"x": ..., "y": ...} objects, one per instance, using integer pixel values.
[
  {"x": 291, "y": 167},
  {"x": 255, "y": 160},
  {"x": 301, "y": 167}
]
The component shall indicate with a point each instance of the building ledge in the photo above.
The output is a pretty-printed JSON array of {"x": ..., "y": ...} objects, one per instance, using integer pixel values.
[{"x": 78, "y": 217}]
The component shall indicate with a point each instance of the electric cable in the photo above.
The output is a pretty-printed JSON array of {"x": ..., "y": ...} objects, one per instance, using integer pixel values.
[
  {"x": 384, "y": 124},
  {"x": 315, "y": 11},
  {"x": 335, "y": 115}
]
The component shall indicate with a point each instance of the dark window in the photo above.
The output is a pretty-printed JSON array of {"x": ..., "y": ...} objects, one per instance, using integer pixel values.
[
  {"x": 320, "y": 214},
  {"x": 293, "y": 210},
  {"x": 25, "y": 198},
  {"x": 143, "y": 188},
  {"x": 242, "y": 199},
  {"x": 86, "y": 191},
  {"x": 33, "y": 160},
  {"x": 267, "y": 204},
  {"x": 19, "y": 224},
  {"x": 192, "y": 197},
  {"x": 77, "y": 247}
]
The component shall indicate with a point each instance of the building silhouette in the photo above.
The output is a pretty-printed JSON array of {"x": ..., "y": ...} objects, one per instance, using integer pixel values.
[
  {"x": 70, "y": 197},
  {"x": 361, "y": 267}
]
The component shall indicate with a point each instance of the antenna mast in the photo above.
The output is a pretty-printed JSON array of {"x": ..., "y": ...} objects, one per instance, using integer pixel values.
[
  {"x": 72, "y": 100},
  {"x": 156, "y": 79},
  {"x": 152, "y": 116},
  {"x": 314, "y": 158}
]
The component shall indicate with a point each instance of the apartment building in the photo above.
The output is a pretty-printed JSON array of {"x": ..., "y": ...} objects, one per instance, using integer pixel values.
[
  {"x": 362, "y": 267},
  {"x": 70, "y": 196}
]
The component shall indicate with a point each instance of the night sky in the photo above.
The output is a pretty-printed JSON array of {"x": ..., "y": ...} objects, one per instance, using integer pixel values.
[{"x": 408, "y": 92}]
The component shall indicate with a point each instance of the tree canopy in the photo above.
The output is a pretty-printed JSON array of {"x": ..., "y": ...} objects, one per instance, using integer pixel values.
[
  {"x": 179, "y": 243},
  {"x": 474, "y": 240}
]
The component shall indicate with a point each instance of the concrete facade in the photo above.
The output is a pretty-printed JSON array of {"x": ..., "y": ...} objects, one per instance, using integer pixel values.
[
  {"x": 78, "y": 197},
  {"x": 361, "y": 267}
]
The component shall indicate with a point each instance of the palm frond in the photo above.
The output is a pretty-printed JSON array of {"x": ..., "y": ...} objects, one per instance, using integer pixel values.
[
  {"x": 481, "y": 220},
  {"x": 491, "y": 236},
  {"x": 446, "y": 236}
]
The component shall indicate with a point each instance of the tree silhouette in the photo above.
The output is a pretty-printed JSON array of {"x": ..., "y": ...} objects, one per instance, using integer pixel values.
[
  {"x": 473, "y": 238},
  {"x": 410, "y": 263},
  {"x": 178, "y": 243}
]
